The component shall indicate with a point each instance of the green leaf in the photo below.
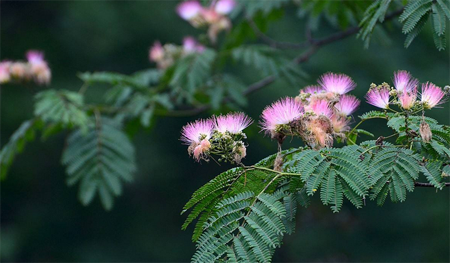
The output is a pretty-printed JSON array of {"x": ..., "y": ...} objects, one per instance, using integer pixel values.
[
  {"x": 192, "y": 71},
  {"x": 99, "y": 159},
  {"x": 433, "y": 173},
  {"x": 25, "y": 133},
  {"x": 439, "y": 20},
  {"x": 64, "y": 107},
  {"x": 138, "y": 82}
]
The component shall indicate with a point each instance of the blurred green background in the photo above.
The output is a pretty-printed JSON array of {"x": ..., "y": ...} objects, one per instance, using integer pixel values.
[{"x": 42, "y": 220}]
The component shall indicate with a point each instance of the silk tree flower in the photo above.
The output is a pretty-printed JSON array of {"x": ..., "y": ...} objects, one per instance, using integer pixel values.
[
  {"x": 320, "y": 107},
  {"x": 313, "y": 89},
  {"x": 407, "y": 99},
  {"x": 378, "y": 97},
  {"x": 340, "y": 123},
  {"x": 35, "y": 57},
  {"x": 196, "y": 135},
  {"x": 156, "y": 52},
  {"x": 240, "y": 151},
  {"x": 404, "y": 82},
  {"x": 4, "y": 72},
  {"x": 38, "y": 67},
  {"x": 189, "y": 10},
  {"x": 19, "y": 70},
  {"x": 197, "y": 131},
  {"x": 224, "y": 7},
  {"x": 347, "y": 105},
  {"x": 190, "y": 45},
  {"x": 336, "y": 83},
  {"x": 215, "y": 28},
  {"x": 432, "y": 95},
  {"x": 210, "y": 15},
  {"x": 234, "y": 123},
  {"x": 283, "y": 111}
]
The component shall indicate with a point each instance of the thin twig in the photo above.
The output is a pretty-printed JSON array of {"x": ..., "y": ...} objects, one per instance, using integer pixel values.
[
  {"x": 418, "y": 184},
  {"x": 275, "y": 43}
]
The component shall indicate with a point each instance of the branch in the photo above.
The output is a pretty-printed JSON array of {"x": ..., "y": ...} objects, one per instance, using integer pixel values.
[
  {"x": 418, "y": 184},
  {"x": 272, "y": 42}
]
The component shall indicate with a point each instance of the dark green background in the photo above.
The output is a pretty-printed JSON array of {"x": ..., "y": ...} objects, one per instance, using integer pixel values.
[{"x": 42, "y": 220}]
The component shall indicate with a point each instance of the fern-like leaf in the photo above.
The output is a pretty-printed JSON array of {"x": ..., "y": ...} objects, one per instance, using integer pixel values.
[
  {"x": 99, "y": 160},
  {"x": 25, "y": 133},
  {"x": 64, "y": 107}
]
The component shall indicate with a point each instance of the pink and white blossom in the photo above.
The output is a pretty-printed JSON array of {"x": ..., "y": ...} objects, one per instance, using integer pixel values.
[
  {"x": 408, "y": 98},
  {"x": 280, "y": 112},
  {"x": 4, "y": 72},
  {"x": 38, "y": 67},
  {"x": 210, "y": 16},
  {"x": 378, "y": 98},
  {"x": 232, "y": 122},
  {"x": 195, "y": 132},
  {"x": 190, "y": 45},
  {"x": 340, "y": 123},
  {"x": 35, "y": 57},
  {"x": 347, "y": 104},
  {"x": 432, "y": 95},
  {"x": 320, "y": 107},
  {"x": 189, "y": 9},
  {"x": 404, "y": 82},
  {"x": 336, "y": 83},
  {"x": 313, "y": 89},
  {"x": 224, "y": 7},
  {"x": 156, "y": 52}
]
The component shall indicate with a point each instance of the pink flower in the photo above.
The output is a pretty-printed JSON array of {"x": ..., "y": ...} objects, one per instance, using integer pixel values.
[
  {"x": 347, "y": 104},
  {"x": 280, "y": 112},
  {"x": 156, "y": 52},
  {"x": 38, "y": 67},
  {"x": 408, "y": 98},
  {"x": 189, "y": 9},
  {"x": 321, "y": 107},
  {"x": 201, "y": 149},
  {"x": 4, "y": 72},
  {"x": 224, "y": 7},
  {"x": 211, "y": 16},
  {"x": 190, "y": 45},
  {"x": 404, "y": 82},
  {"x": 232, "y": 122},
  {"x": 19, "y": 70},
  {"x": 378, "y": 98},
  {"x": 336, "y": 83},
  {"x": 432, "y": 95},
  {"x": 35, "y": 57},
  {"x": 340, "y": 123},
  {"x": 195, "y": 132},
  {"x": 312, "y": 89}
]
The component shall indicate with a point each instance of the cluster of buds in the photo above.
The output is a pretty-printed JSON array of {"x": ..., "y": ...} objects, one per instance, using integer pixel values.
[
  {"x": 405, "y": 94},
  {"x": 214, "y": 16},
  {"x": 165, "y": 56},
  {"x": 318, "y": 114},
  {"x": 220, "y": 135},
  {"x": 34, "y": 69}
]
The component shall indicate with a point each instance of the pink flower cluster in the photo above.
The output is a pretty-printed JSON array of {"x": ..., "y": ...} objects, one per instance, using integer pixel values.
[
  {"x": 317, "y": 115},
  {"x": 213, "y": 16},
  {"x": 221, "y": 135},
  {"x": 405, "y": 93},
  {"x": 165, "y": 56},
  {"x": 36, "y": 68}
]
